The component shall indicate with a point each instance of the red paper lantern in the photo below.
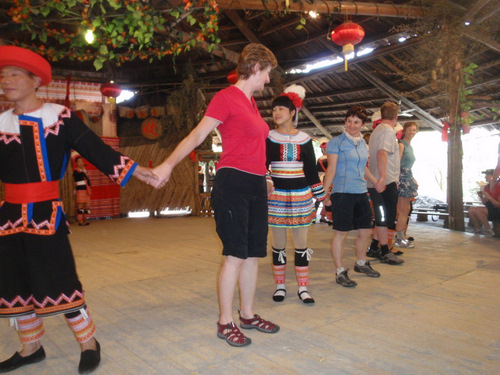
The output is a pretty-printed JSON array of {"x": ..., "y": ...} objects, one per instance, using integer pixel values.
[
  {"x": 111, "y": 89},
  {"x": 232, "y": 77},
  {"x": 347, "y": 35}
]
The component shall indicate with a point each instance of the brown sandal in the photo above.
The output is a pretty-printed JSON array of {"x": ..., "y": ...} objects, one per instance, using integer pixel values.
[
  {"x": 231, "y": 333},
  {"x": 259, "y": 324}
]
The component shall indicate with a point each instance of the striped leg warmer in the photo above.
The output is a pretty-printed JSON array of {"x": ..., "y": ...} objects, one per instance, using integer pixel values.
[
  {"x": 302, "y": 258},
  {"x": 279, "y": 266},
  {"x": 29, "y": 328},
  {"x": 81, "y": 324}
]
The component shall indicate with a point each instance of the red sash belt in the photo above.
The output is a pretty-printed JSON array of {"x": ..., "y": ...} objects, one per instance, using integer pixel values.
[{"x": 31, "y": 192}]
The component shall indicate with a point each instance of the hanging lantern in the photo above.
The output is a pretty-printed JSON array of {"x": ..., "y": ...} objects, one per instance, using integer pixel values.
[
  {"x": 347, "y": 35},
  {"x": 111, "y": 90},
  {"x": 232, "y": 77}
]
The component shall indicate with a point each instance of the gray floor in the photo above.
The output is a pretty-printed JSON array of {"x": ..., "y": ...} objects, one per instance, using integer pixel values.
[{"x": 151, "y": 288}]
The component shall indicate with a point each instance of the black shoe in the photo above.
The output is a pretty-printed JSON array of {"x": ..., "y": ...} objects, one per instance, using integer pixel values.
[
  {"x": 90, "y": 359},
  {"x": 17, "y": 360},
  {"x": 306, "y": 300},
  {"x": 344, "y": 280},
  {"x": 279, "y": 295},
  {"x": 374, "y": 253}
]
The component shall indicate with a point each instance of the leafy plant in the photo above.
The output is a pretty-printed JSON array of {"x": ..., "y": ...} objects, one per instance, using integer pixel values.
[{"x": 124, "y": 29}]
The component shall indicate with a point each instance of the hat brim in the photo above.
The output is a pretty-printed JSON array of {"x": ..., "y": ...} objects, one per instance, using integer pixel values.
[{"x": 26, "y": 59}]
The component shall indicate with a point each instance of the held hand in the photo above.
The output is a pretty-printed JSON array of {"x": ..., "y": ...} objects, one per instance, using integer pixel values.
[
  {"x": 270, "y": 188},
  {"x": 162, "y": 172},
  {"x": 327, "y": 201},
  {"x": 146, "y": 175},
  {"x": 380, "y": 185}
]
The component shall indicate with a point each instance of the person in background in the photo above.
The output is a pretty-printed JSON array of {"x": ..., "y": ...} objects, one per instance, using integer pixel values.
[
  {"x": 83, "y": 191},
  {"x": 292, "y": 165},
  {"x": 348, "y": 170},
  {"x": 322, "y": 165},
  {"x": 37, "y": 269},
  {"x": 239, "y": 195},
  {"x": 490, "y": 196},
  {"x": 496, "y": 172},
  {"x": 408, "y": 186},
  {"x": 384, "y": 166}
]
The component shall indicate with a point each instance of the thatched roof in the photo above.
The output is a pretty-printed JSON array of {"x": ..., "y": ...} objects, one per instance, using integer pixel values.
[{"x": 385, "y": 73}]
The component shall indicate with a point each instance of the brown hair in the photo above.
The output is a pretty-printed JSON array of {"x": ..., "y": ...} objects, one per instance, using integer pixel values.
[
  {"x": 389, "y": 111},
  {"x": 407, "y": 124},
  {"x": 358, "y": 111},
  {"x": 252, "y": 54}
]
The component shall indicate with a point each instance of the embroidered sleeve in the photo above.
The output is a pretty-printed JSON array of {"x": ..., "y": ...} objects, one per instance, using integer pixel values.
[
  {"x": 116, "y": 166},
  {"x": 311, "y": 172}
]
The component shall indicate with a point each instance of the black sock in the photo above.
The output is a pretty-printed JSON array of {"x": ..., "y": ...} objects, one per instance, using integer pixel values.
[
  {"x": 374, "y": 245},
  {"x": 384, "y": 249}
]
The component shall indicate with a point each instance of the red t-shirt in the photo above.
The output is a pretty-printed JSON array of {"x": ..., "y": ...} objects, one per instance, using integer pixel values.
[
  {"x": 495, "y": 193},
  {"x": 242, "y": 129}
]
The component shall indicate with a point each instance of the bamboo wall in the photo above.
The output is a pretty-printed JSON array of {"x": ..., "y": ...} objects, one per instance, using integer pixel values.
[{"x": 179, "y": 192}]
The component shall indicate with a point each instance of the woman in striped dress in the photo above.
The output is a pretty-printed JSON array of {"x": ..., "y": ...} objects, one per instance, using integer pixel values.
[{"x": 293, "y": 174}]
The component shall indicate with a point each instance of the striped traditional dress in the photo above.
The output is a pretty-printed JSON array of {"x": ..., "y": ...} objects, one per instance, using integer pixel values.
[{"x": 293, "y": 170}]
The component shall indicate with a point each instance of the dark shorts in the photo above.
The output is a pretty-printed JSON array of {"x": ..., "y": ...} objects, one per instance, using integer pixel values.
[
  {"x": 239, "y": 201},
  {"x": 493, "y": 212},
  {"x": 385, "y": 205},
  {"x": 351, "y": 211}
]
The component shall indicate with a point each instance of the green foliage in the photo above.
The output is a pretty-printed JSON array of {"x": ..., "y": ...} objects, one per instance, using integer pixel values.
[
  {"x": 123, "y": 29},
  {"x": 185, "y": 107}
]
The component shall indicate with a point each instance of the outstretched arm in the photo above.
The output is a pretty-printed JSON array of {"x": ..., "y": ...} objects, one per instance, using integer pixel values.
[{"x": 188, "y": 144}]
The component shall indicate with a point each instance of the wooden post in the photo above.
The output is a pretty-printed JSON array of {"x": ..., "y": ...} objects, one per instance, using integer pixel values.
[{"x": 455, "y": 151}]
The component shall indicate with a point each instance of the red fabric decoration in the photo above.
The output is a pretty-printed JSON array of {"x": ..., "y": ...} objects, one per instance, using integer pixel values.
[
  {"x": 112, "y": 90},
  {"x": 444, "y": 132},
  {"x": 192, "y": 156},
  {"x": 295, "y": 98},
  {"x": 376, "y": 123},
  {"x": 465, "y": 122},
  {"x": 26, "y": 59},
  {"x": 232, "y": 77}
]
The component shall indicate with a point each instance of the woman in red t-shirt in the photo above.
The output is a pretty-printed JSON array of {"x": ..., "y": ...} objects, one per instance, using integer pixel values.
[
  {"x": 490, "y": 196},
  {"x": 239, "y": 195}
]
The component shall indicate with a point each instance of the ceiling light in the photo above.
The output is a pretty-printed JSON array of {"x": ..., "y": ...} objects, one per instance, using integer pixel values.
[
  {"x": 89, "y": 36},
  {"x": 313, "y": 14}
]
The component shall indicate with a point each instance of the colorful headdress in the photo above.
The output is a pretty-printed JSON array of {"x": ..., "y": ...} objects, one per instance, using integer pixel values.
[
  {"x": 26, "y": 59},
  {"x": 296, "y": 94}
]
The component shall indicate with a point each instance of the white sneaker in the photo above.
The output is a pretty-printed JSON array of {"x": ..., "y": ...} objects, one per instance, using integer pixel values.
[
  {"x": 489, "y": 233},
  {"x": 404, "y": 243}
]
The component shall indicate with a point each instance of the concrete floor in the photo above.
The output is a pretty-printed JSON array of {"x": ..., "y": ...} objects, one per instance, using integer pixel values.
[{"x": 151, "y": 288}]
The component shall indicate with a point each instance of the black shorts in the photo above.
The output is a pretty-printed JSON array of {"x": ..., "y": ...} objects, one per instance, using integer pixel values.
[
  {"x": 351, "y": 211},
  {"x": 385, "y": 205},
  {"x": 239, "y": 201},
  {"x": 493, "y": 212}
]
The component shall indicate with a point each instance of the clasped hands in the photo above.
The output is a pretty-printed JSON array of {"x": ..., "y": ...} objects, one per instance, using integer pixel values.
[{"x": 156, "y": 177}]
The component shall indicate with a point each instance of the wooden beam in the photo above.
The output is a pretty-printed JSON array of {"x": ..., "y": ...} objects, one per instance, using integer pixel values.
[
  {"x": 419, "y": 112},
  {"x": 242, "y": 26},
  {"x": 236, "y": 19},
  {"x": 353, "y": 8},
  {"x": 476, "y": 8}
]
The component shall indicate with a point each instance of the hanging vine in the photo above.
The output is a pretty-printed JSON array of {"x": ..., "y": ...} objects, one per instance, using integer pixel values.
[{"x": 123, "y": 30}]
